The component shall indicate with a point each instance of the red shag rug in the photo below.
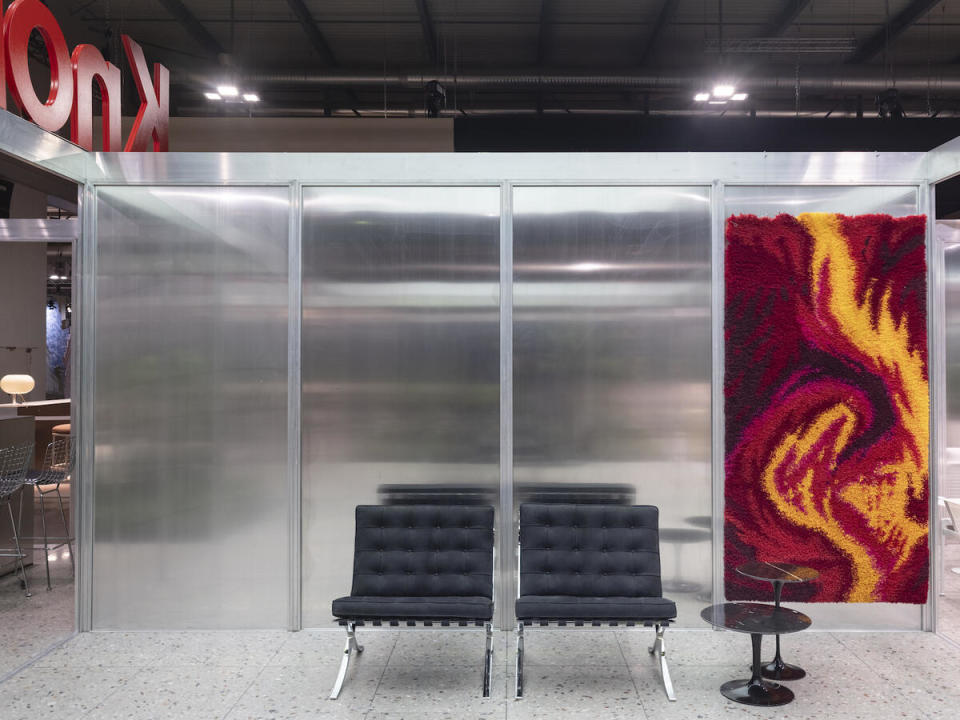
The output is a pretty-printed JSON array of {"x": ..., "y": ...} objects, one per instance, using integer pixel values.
[{"x": 827, "y": 404}]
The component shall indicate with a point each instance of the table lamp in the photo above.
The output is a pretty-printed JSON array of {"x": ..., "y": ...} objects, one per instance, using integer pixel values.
[{"x": 16, "y": 385}]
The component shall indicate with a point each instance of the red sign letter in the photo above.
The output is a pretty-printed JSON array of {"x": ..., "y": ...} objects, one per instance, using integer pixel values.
[
  {"x": 22, "y": 17},
  {"x": 89, "y": 65},
  {"x": 153, "y": 119}
]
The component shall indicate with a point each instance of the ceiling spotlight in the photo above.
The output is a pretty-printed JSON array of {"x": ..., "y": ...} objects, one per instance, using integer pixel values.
[
  {"x": 213, "y": 96},
  {"x": 702, "y": 96},
  {"x": 251, "y": 97},
  {"x": 54, "y": 277},
  {"x": 228, "y": 90},
  {"x": 738, "y": 96},
  {"x": 723, "y": 91}
]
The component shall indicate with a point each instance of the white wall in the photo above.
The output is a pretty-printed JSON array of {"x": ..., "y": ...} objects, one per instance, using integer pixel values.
[{"x": 23, "y": 286}]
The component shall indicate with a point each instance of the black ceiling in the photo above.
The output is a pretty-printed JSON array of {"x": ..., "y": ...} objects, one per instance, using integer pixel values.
[{"x": 373, "y": 57}]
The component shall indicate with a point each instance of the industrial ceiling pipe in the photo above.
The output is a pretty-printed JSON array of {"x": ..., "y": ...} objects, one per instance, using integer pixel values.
[{"x": 936, "y": 80}]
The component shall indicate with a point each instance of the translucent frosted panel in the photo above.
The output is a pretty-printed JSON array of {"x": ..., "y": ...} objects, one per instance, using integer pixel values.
[
  {"x": 611, "y": 372},
  {"x": 400, "y": 362},
  {"x": 191, "y": 519}
]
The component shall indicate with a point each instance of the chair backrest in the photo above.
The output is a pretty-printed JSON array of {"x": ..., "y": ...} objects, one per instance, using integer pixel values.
[
  {"x": 423, "y": 551},
  {"x": 589, "y": 550},
  {"x": 14, "y": 463},
  {"x": 953, "y": 510}
]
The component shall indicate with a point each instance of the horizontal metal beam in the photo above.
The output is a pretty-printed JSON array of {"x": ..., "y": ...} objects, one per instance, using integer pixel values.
[
  {"x": 938, "y": 79},
  {"x": 194, "y": 27},
  {"x": 891, "y": 30}
]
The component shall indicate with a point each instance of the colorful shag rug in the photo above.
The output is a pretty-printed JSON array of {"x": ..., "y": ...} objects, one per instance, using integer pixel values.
[{"x": 827, "y": 405}]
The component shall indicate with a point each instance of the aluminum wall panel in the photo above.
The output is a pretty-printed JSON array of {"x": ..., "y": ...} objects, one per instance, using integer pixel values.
[
  {"x": 611, "y": 372},
  {"x": 949, "y": 235},
  {"x": 190, "y": 418},
  {"x": 400, "y": 362},
  {"x": 770, "y": 201}
]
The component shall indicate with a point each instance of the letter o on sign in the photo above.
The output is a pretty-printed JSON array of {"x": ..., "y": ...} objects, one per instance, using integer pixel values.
[{"x": 21, "y": 19}]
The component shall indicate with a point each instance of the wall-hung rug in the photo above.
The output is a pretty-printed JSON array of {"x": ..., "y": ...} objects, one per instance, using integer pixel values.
[{"x": 827, "y": 404}]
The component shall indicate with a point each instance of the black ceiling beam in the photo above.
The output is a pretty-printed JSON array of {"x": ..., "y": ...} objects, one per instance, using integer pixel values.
[
  {"x": 664, "y": 17},
  {"x": 543, "y": 37},
  {"x": 891, "y": 30},
  {"x": 429, "y": 36},
  {"x": 316, "y": 38},
  {"x": 786, "y": 18},
  {"x": 194, "y": 27}
]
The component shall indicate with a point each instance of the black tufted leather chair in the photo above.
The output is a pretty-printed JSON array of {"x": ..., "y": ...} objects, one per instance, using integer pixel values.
[
  {"x": 429, "y": 564},
  {"x": 596, "y": 564}
]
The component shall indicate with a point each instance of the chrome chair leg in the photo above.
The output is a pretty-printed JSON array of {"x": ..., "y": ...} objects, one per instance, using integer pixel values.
[
  {"x": 488, "y": 660},
  {"x": 66, "y": 534},
  {"x": 46, "y": 547},
  {"x": 659, "y": 651},
  {"x": 16, "y": 542},
  {"x": 345, "y": 661},
  {"x": 519, "y": 692}
]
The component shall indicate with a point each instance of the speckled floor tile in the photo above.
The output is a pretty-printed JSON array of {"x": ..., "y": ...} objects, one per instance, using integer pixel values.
[
  {"x": 438, "y": 688},
  {"x": 177, "y": 692},
  {"x": 603, "y": 690},
  {"x": 60, "y": 693},
  {"x": 857, "y": 696},
  {"x": 322, "y": 648},
  {"x": 494, "y": 713},
  {"x": 566, "y": 646},
  {"x": 446, "y": 647},
  {"x": 293, "y": 692},
  {"x": 224, "y": 648},
  {"x": 109, "y": 649}
]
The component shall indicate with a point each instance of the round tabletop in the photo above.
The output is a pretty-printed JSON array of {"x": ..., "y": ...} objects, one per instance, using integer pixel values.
[
  {"x": 755, "y": 618},
  {"x": 777, "y": 571}
]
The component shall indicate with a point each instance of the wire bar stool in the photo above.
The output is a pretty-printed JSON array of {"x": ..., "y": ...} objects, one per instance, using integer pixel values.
[
  {"x": 14, "y": 461},
  {"x": 58, "y": 463}
]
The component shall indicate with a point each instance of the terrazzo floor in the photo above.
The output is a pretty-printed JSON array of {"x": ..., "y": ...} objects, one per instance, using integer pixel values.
[{"x": 433, "y": 674}]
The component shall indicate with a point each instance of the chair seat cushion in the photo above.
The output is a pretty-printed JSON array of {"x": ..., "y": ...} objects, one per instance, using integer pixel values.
[
  {"x": 567, "y": 607},
  {"x": 359, "y": 607}
]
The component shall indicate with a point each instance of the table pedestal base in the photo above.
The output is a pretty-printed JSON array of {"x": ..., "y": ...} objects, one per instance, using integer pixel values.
[
  {"x": 779, "y": 670},
  {"x": 756, "y": 692}
]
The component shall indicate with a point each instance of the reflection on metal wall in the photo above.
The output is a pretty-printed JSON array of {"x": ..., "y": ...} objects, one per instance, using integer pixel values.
[
  {"x": 400, "y": 358},
  {"x": 611, "y": 375},
  {"x": 191, "y": 408},
  {"x": 948, "y": 233},
  {"x": 770, "y": 201}
]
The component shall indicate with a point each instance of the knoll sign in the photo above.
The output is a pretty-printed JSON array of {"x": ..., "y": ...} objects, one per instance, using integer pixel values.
[{"x": 71, "y": 84}]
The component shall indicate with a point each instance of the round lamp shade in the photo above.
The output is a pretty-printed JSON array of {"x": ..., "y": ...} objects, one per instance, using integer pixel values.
[{"x": 16, "y": 384}]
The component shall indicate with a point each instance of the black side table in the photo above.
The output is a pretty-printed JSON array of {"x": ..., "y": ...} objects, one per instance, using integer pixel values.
[
  {"x": 778, "y": 573},
  {"x": 758, "y": 620}
]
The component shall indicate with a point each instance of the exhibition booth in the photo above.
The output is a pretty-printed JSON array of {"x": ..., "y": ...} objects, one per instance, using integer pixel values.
[{"x": 265, "y": 341}]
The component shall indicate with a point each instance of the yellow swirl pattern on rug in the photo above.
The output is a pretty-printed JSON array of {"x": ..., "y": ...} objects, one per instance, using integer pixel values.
[{"x": 810, "y": 453}]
